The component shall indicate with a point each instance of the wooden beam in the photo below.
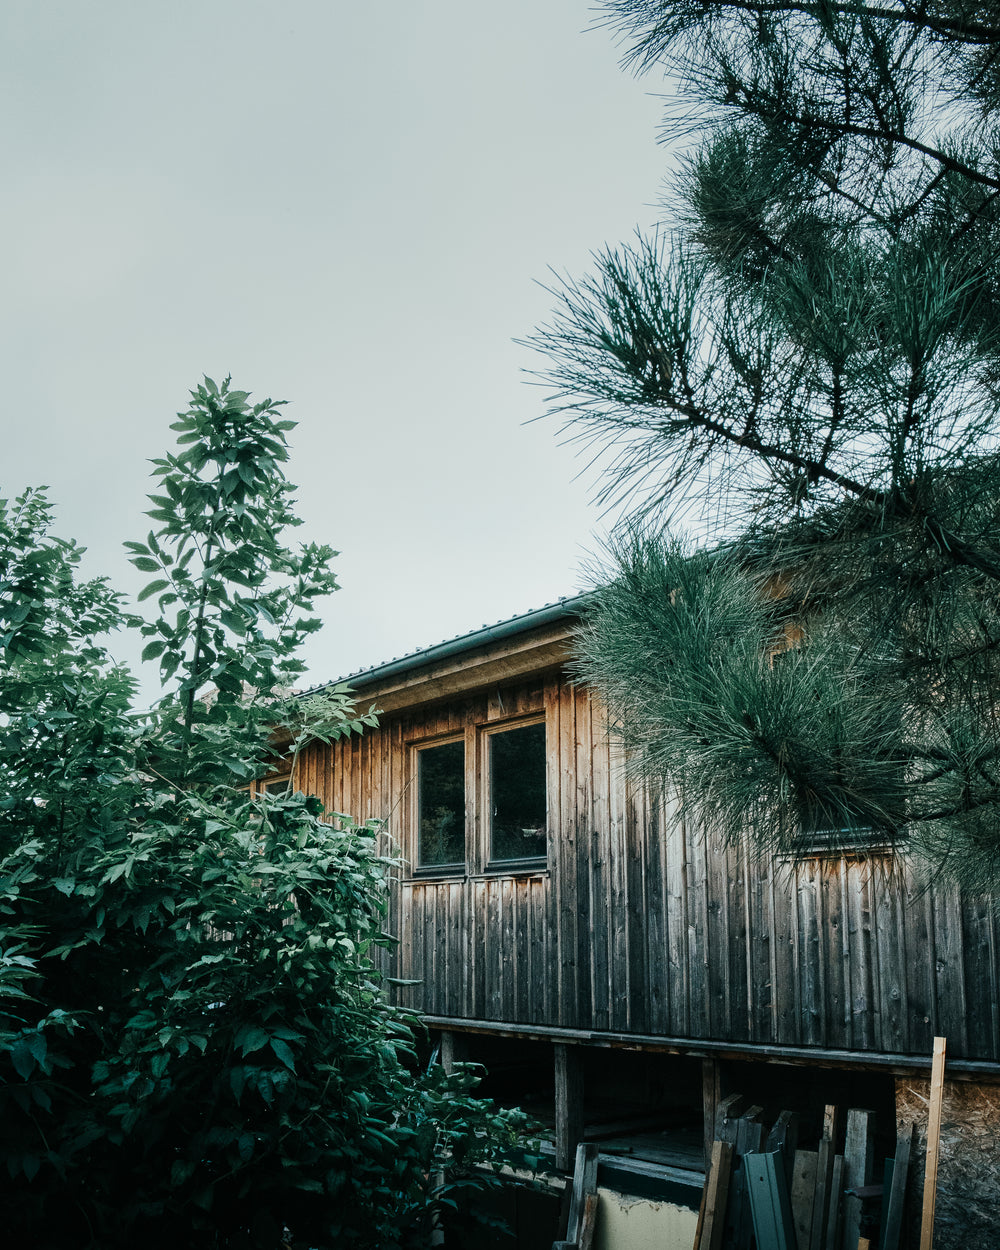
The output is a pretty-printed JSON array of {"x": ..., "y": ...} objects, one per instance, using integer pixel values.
[
  {"x": 454, "y": 1049},
  {"x": 710, "y": 1097},
  {"x": 568, "y": 1063},
  {"x": 702, "y": 1048},
  {"x": 584, "y": 1187},
  {"x": 858, "y": 1157},
  {"x": 712, "y": 1215},
  {"x": 833, "y": 1212},
  {"x": 933, "y": 1145},
  {"x": 804, "y": 1196},
  {"x": 892, "y": 1219}
]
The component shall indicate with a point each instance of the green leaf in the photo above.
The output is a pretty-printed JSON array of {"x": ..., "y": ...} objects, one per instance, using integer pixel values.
[
  {"x": 250, "y": 1038},
  {"x": 22, "y": 1058},
  {"x": 283, "y": 1052},
  {"x": 153, "y": 587}
]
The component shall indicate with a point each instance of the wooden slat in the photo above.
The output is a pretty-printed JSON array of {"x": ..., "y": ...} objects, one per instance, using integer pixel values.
[
  {"x": 710, "y": 1098},
  {"x": 824, "y": 1179},
  {"x": 599, "y": 869},
  {"x": 588, "y": 1222},
  {"x": 834, "y": 1211},
  {"x": 584, "y": 1186},
  {"x": 712, "y": 1213},
  {"x": 933, "y": 1145},
  {"x": 566, "y": 862},
  {"x": 892, "y": 1219},
  {"x": 858, "y": 1158},
  {"x": 804, "y": 1195},
  {"x": 951, "y": 1002},
  {"x": 582, "y": 764}
]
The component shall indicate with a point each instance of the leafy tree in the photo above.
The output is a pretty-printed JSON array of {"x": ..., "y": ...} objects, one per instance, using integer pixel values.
[
  {"x": 806, "y": 366},
  {"x": 195, "y": 1047}
]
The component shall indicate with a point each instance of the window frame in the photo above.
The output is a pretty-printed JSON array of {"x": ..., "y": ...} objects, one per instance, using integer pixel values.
[
  {"x": 456, "y": 868},
  {"x": 524, "y": 863},
  {"x": 478, "y": 822}
]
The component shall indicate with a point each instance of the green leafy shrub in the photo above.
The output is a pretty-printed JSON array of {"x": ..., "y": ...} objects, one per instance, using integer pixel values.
[{"x": 195, "y": 1047}]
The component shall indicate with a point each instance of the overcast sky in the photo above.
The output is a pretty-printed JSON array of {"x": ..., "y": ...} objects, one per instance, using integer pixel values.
[{"x": 345, "y": 205}]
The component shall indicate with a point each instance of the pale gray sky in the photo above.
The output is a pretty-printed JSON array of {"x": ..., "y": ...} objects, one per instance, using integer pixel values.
[{"x": 345, "y": 205}]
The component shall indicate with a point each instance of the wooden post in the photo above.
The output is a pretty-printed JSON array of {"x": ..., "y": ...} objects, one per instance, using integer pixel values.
[
  {"x": 569, "y": 1103},
  {"x": 709, "y": 1102},
  {"x": 833, "y": 1213},
  {"x": 892, "y": 1203},
  {"x": 933, "y": 1145},
  {"x": 858, "y": 1155},
  {"x": 454, "y": 1049},
  {"x": 712, "y": 1215},
  {"x": 824, "y": 1179}
]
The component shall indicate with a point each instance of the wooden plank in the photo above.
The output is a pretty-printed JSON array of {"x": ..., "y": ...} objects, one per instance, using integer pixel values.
[
  {"x": 858, "y": 1157},
  {"x": 951, "y": 1003},
  {"x": 892, "y": 1222},
  {"x": 569, "y": 1103},
  {"x": 786, "y": 998},
  {"x": 933, "y": 1145},
  {"x": 635, "y": 837},
  {"x": 887, "y": 1171},
  {"x": 980, "y": 966},
  {"x": 553, "y": 789},
  {"x": 583, "y": 761},
  {"x": 803, "y": 1195},
  {"x": 675, "y": 868},
  {"x": 454, "y": 1049},
  {"x": 824, "y": 1178},
  {"x": 833, "y": 1220},
  {"x": 733, "y": 902},
  {"x": 710, "y": 1091},
  {"x": 712, "y": 1213},
  {"x": 566, "y": 864},
  {"x": 588, "y": 1223},
  {"x": 599, "y": 868},
  {"x": 584, "y": 1185},
  {"x": 808, "y": 966}
]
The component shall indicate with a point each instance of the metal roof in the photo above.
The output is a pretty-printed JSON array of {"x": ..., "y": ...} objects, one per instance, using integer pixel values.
[{"x": 566, "y": 606}]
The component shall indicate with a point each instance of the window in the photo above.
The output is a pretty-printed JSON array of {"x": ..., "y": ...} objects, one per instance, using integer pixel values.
[
  {"x": 479, "y": 802},
  {"x": 441, "y": 806},
  {"x": 517, "y": 793}
]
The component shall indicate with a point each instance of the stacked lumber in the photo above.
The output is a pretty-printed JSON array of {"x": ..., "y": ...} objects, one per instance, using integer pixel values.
[{"x": 763, "y": 1193}]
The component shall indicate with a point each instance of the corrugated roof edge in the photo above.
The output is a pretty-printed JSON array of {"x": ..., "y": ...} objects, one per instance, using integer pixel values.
[{"x": 564, "y": 607}]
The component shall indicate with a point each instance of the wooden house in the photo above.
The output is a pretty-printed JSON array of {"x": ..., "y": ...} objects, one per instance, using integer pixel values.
[{"x": 608, "y": 958}]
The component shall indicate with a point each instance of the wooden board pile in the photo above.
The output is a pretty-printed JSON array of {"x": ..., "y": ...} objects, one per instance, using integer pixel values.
[{"x": 763, "y": 1192}]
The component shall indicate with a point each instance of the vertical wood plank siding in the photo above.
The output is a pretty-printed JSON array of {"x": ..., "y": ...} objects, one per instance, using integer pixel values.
[{"x": 641, "y": 924}]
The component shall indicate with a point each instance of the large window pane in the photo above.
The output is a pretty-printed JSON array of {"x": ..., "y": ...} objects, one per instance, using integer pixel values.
[
  {"x": 441, "y": 791},
  {"x": 517, "y": 793}
]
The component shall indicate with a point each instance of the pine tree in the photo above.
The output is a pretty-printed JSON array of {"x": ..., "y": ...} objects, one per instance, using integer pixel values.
[{"x": 806, "y": 368}]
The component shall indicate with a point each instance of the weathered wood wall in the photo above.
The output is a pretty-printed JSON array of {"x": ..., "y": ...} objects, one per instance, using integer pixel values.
[{"x": 642, "y": 925}]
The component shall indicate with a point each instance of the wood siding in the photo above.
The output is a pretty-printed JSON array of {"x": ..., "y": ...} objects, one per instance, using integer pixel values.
[{"x": 640, "y": 924}]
